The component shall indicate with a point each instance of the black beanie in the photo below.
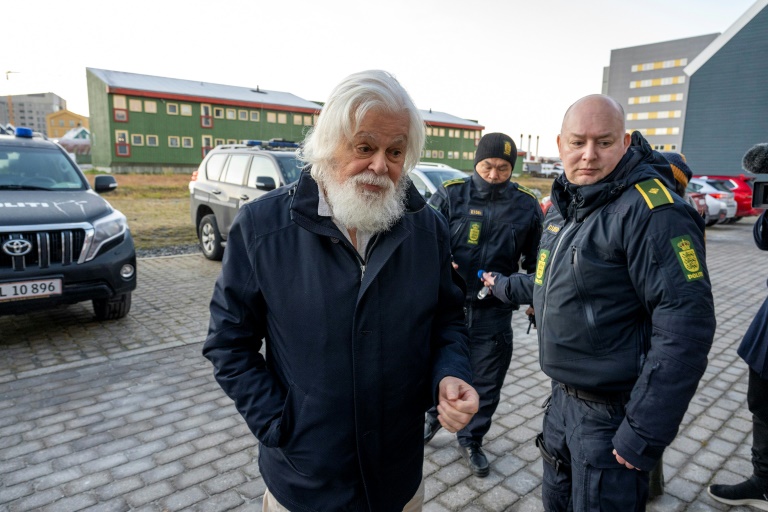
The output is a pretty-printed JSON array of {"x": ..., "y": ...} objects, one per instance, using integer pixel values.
[{"x": 496, "y": 145}]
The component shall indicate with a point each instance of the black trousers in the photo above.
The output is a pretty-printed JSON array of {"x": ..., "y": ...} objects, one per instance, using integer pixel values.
[
  {"x": 757, "y": 400},
  {"x": 490, "y": 352}
]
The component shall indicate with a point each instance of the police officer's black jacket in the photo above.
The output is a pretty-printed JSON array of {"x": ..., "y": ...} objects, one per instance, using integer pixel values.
[
  {"x": 622, "y": 297},
  {"x": 493, "y": 227}
]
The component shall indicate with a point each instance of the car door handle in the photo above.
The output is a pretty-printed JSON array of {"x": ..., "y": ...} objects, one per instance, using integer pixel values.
[
  {"x": 216, "y": 191},
  {"x": 244, "y": 197}
]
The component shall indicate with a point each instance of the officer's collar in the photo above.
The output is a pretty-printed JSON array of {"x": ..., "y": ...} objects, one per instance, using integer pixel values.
[{"x": 484, "y": 187}]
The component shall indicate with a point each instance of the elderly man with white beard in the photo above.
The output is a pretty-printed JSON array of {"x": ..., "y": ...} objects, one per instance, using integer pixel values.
[{"x": 345, "y": 277}]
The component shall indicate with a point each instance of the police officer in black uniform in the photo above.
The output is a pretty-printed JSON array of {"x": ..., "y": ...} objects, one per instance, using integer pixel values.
[{"x": 494, "y": 223}]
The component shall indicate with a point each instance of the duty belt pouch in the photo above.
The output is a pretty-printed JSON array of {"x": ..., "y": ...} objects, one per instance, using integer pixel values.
[{"x": 550, "y": 459}]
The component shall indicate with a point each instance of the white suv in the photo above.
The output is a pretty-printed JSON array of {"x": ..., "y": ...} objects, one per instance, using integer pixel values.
[{"x": 230, "y": 176}]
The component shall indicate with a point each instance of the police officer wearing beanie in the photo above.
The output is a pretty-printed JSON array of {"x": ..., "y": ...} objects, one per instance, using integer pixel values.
[{"x": 494, "y": 223}]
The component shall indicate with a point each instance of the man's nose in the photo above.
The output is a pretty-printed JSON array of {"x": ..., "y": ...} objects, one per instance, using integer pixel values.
[
  {"x": 590, "y": 152},
  {"x": 379, "y": 163}
]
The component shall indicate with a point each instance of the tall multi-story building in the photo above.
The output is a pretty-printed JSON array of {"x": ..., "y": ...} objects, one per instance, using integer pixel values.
[
  {"x": 30, "y": 110},
  {"x": 650, "y": 84},
  {"x": 59, "y": 123},
  {"x": 705, "y": 96}
]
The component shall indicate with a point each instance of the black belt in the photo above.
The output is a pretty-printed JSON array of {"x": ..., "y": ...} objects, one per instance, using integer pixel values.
[{"x": 620, "y": 398}]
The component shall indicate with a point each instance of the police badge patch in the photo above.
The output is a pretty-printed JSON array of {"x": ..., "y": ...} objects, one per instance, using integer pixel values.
[
  {"x": 541, "y": 267},
  {"x": 687, "y": 257},
  {"x": 473, "y": 238}
]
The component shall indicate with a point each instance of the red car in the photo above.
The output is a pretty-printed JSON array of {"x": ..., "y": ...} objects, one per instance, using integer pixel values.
[{"x": 741, "y": 186}]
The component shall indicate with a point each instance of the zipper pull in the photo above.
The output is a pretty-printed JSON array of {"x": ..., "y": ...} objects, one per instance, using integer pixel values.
[{"x": 362, "y": 272}]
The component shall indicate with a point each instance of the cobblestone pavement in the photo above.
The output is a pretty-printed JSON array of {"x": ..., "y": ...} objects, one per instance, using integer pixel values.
[{"x": 126, "y": 415}]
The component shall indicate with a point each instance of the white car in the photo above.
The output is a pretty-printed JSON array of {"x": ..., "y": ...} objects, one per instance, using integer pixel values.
[
  {"x": 428, "y": 178},
  {"x": 718, "y": 196}
]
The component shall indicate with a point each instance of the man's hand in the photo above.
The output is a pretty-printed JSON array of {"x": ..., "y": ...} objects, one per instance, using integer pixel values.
[
  {"x": 623, "y": 462},
  {"x": 457, "y": 403},
  {"x": 488, "y": 279}
]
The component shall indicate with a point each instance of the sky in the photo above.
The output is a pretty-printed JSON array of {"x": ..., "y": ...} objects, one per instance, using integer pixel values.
[{"x": 513, "y": 66}]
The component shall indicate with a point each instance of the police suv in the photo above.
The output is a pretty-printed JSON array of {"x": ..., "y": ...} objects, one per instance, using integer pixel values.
[
  {"x": 60, "y": 242},
  {"x": 230, "y": 176}
]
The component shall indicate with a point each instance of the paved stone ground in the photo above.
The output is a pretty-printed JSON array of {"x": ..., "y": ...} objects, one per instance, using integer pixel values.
[{"x": 125, "y": 415}]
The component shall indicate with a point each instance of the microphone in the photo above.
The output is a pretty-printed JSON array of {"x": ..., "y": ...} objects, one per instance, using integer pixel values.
[{"x": 756, "y": 161}]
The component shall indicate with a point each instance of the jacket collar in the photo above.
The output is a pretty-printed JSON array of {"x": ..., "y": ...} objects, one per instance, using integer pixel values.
[{"x": 485, "y": 190}]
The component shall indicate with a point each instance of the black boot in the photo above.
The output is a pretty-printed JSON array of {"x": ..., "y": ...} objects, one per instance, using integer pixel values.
[
  {"x": 475, "y": 457},
  {"x": 752, "y": 492}
]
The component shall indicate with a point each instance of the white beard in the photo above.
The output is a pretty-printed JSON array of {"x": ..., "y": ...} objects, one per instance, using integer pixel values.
[{"x": 358, "y": 208}]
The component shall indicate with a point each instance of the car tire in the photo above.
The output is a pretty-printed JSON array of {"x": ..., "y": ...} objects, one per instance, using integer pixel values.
[
  {"x": 736, "y": 219},
  {"x": 113, "y": 308},
  {"x": 210, "y": 238},
  {"x": 711, "y": 223}
]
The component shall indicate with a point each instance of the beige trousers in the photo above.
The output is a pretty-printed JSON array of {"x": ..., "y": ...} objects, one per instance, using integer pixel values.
[{"x": 270, "y": 504}]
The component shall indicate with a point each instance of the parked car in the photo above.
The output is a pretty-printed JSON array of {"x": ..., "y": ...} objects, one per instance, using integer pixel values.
[
  {"x": 60, "y": 241},
  {"x": 741, "y": 186},
  {"x": 718, "y": 198},
  {"x": 230, "y": 176},
  {"x": 428, "y": 178},
  {"x": 699, "y": 202}
]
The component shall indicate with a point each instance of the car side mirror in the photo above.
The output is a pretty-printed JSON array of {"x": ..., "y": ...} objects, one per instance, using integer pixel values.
[
  {"x": 265, "y": 183},
  {"x": 104, "y": 183}
]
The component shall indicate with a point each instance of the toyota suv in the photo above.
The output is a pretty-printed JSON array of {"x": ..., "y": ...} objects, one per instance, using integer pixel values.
[
  {"x": 60, "y": 241},
  {"x": 230, "y": 176}
]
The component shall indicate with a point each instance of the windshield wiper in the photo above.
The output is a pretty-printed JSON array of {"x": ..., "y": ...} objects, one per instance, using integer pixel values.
[{"x": 22, "y": 187}]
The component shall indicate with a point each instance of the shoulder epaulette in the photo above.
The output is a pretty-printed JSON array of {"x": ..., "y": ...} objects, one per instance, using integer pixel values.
[
  {"x": 527, "y": 191},
  {"x": 454, "y": 181},
  {"x": 654, "y": 192}
]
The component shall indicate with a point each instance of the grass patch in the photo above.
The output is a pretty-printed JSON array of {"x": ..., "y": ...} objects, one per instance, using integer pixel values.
[{"x": 157, "y": 208}]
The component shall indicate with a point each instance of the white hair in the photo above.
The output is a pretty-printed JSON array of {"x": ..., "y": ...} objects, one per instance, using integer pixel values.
[{"x": 346, "y": 107}]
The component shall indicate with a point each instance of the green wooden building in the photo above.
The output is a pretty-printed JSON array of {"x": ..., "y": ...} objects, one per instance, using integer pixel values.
[{"x": 142, "y": 123}]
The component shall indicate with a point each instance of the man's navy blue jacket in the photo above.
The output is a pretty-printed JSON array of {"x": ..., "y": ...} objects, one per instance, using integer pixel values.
[{"x": 354, "y": 351}]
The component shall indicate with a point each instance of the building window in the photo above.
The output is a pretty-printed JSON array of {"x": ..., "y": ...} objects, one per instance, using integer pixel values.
[
  {"x": 61, "y": 122},
  {"x": 307, "y": 120},
  {"x": 119, "y": 102},
  {"x": 442, "y": 134},
  {"x": 71, "y": 124},
  {"x": 297, "y": 119},
  {"x": 231, "y": 114},
  {"x": 173, "y": 141},
  {"x": 187, "y": 142},
  {"x": 121, "y": 115},
  {"x": 271, "y": 117},
  {"x": 122, "y": 148},
  {"x": 242, "y": 115},
  {"x": 219, "y": 142},
  {"x": 172, "y": 109},
  {"x": 231, "y": 141},
  {"x": 137, "y": 139},
  {"x": 186, "y": 109},
  {"x": 153, "y": 140},
  {"x": 207, "y": 144},
  {"x": 218, "y": 112},
  {"x": 255, "y": 116},
  {"x": 134, "y": 105},
  {"x": 150, "y": 107},
  {"x": 282, "y": 118},
  {"x": 428, "y": 153},
  {"x": 206, "y": 121}
]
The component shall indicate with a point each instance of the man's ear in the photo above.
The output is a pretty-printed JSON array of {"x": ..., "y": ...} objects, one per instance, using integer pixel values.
[{"x": 627, "y": 141}]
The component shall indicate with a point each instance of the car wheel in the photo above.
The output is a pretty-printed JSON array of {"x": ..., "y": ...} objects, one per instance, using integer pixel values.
[
  {"x": 736, "y": 219},
  {"x": 210, "y": 238},
  {"x": 711, "y": 222},
  {"x": 112, "y": 309}
]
